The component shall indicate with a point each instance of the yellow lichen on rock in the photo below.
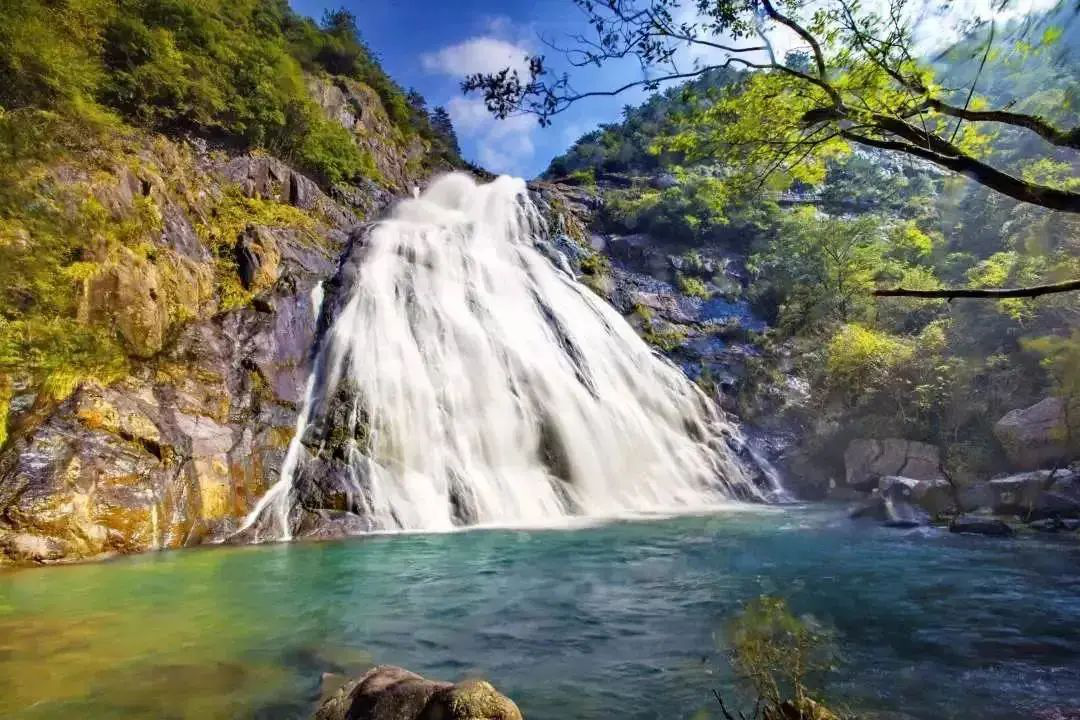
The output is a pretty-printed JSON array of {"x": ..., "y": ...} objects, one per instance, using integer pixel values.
[{"x": 479, "y": 700}]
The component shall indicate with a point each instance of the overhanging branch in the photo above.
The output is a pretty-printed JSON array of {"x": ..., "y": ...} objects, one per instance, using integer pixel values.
[{"x": 992, "y": 293}]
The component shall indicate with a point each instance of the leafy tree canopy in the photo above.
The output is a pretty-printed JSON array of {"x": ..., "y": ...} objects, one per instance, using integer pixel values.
[{"x": 855, "y": 77}]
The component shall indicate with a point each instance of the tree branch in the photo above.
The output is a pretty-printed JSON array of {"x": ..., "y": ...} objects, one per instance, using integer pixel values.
[
  {"x": 819, "y": 56},
  {"x": 981, "y": 173},
  {"x": 994, "y": 293},
  {"x": 1062, "y": 138}
]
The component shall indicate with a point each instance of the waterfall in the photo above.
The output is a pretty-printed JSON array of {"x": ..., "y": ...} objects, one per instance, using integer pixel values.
[{"x": 485, "y": 386}]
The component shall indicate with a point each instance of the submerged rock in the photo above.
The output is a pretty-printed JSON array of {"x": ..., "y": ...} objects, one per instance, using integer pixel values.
[
  {"x": 393, "y": 693},
  {"x": 970, "y": 525},
  {"x": 871, "y": 508},
  {"x": 1049, "y": 525},
  {"x": 805, "y": 709},
  {"x": 902, "y": 514}
]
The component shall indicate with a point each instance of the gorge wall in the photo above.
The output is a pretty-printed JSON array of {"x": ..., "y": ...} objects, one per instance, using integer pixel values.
[{"x": 163, "y": 281}]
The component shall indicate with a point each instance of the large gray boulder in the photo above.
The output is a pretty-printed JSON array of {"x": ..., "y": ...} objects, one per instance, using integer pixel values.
[
  {"x": 1030, "y": 495},
  {"x": 866, "y": 461},
  {"x": 393, "y": 693},
  {"x": 1036, "y": 436}
]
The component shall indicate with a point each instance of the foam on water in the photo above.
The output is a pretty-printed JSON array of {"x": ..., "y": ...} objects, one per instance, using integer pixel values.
[{"x": 489, "y": 387}]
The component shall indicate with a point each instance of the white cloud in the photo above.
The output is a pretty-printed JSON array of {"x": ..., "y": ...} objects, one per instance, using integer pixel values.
[
  {"x": 478, "y": 54},
  {"x": 505, "y": 146},
  {"x": 937, "y": 26},
  {"x": 501, "y": 145}
]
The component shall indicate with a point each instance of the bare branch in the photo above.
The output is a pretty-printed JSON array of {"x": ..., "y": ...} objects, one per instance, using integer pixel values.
[
  {"x": 819, "y": 56},
  {"x": 995, "y": 293},
  {"x": 971, "y": 92},
  {"x": 1062, "y": 138}
]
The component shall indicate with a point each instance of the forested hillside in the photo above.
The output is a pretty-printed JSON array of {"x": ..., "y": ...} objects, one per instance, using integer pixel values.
[
  {"x": 179, "y": 178},
  {"x": 818, "y": 242},
  {"x": 93, "y": 92}
]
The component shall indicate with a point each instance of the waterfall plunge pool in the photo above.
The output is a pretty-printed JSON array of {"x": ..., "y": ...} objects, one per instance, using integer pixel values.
[{"x": 619, "y": 620}]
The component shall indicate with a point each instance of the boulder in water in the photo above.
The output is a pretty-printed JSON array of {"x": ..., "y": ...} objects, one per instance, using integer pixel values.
[
  {"x": 1047, "y": 525},
  {"x": 1054, "y": 505},
  {"x": 972, "y": 525},
  {"x": 866, "y": 461},
  {"x": 872, "y": 508},
  {"x": 393, "y": 693},
  {"x": 1032, "y": 495},
  {"x": 903, "y": 514},
  {"x": 804, "y": 709},
  {"x": 934, "y": 496}
]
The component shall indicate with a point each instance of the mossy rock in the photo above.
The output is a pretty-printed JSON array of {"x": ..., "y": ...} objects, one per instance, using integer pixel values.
[
  {"x": 472, "y": 700},
  {"x": 804, "y": 709},
  {"x": 393, "y": 693}
]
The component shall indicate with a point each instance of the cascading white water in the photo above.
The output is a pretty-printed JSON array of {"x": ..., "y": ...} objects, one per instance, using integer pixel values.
[{"x": 494, "y": 388}]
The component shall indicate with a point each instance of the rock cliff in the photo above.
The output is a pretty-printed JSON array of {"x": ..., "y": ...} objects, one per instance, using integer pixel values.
[{"x": 203, "y": 281}]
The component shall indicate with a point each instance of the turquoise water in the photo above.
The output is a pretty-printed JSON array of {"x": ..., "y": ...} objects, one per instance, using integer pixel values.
[{"x": 621, "y": 620}]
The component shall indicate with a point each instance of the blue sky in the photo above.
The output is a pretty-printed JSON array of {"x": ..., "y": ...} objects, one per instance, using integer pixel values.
[{"x": 431, "y": 45}]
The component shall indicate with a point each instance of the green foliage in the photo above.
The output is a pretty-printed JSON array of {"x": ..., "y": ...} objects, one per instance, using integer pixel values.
[
  {"x": 860, "y": 359},
  {"x": 628, "y": 146},
  {"x": 814, "y": 272},
  {"x": 217, "y": 67},
  {"x": 661, "y": 335},
  {"x": 49, "y": 52},
  {"x": 694, "y": 287},
  {"x": 596, "y": 264},
  {"x": 664, "y": 338},
  {"x": 777, "y": 653},
  {"x": 60, "y": 353},
  {"x": 5, "y": 405},
  {"x": 233, "y": 213},
  {"x": 583, "y": 176},
  {"x": 330, "y": 149},
  {"x": 1060, "y": 356},
  {"x": 691, "y": 210}
]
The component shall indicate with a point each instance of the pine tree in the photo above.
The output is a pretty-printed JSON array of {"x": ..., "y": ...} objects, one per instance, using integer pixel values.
[{"x": 444, "y": 127}]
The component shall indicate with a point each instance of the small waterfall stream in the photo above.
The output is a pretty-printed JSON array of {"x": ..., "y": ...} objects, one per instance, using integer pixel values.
[{"x": 485, "y": 386}]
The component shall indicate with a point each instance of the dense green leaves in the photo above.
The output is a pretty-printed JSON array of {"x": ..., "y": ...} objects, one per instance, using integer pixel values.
[
  {"x": 827, "y": 226},
  {"x": 232, "y": 68}
]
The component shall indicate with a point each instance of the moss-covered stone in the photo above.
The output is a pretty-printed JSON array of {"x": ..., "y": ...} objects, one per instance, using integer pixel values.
[{"x": 479, "y": 700}]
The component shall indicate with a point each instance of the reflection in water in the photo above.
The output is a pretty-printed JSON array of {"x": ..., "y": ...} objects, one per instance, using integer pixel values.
[{"x": 612, "y": 621}]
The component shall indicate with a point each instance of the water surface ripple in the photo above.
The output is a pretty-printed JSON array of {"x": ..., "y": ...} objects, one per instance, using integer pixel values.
[{"x": 621, "y": 620}]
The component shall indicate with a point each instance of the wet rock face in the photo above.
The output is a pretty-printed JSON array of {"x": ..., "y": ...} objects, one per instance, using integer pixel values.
[
  {"x": 357, "y": 108},
  {"x": 179, "y": 451},
  {"x": 176, "y": 454},
  {"x": 392, "y": 693}
]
